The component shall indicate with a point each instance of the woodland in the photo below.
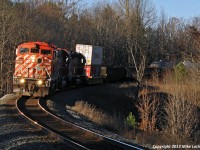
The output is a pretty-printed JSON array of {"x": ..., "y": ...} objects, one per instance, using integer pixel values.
[{"x": 131, "y": 32}]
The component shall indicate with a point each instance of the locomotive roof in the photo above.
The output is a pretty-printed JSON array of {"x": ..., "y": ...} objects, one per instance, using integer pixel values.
[{"x": 42, "y": 45}]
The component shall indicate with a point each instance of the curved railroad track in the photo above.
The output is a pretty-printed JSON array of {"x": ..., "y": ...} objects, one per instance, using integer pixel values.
[{"x": 76, "y": 136}]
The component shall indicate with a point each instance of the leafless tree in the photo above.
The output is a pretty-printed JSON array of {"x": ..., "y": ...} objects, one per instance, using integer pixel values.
[
  {"x": 8, "y": 25},
  {"x": 108, "y": 25},
  {"x": 139, "y": 14},
  {"x": 181, "y": 117},
  {"x": 148, "y": 111}
]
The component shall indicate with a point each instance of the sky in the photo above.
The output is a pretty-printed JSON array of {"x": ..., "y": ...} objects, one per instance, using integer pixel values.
[
  {"x": 173, "y": 8},
  {"x": 179, "y": 8}
]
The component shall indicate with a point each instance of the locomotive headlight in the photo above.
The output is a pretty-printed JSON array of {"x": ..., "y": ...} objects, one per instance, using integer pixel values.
[
  {"x": 39, "y": 82},
  {"x": 33, "y": 59},
  {"x": 22, "y": 81}
]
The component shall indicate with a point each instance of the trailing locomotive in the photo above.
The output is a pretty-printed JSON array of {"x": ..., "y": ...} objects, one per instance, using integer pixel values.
[{"x": 41, "y": 68}]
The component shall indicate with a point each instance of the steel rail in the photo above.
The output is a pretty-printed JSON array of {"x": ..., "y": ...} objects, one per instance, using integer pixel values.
[
  {"x": 34, "y": 108},
  {"x": 110, "y": 140},
  {"x": 72, "y": 144}
]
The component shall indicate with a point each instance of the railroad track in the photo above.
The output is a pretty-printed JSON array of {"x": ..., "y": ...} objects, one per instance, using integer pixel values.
[{"x": 76, "y": 136}]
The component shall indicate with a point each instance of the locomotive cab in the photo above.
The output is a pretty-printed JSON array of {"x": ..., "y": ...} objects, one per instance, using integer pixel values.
[{"x": 33, "y": 68}]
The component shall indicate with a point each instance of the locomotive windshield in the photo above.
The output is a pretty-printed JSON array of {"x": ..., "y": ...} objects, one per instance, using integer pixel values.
[
  {"x": 46, "y": 52},
  {"x": 34, "y": 50},
  {"x": 23, "y": 50}
]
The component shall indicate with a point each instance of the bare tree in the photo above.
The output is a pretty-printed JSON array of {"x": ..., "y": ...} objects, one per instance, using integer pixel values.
[
  {"x": 148, "y": 111},
  {"x": 8, "y": 25},
  {"x": 108, "y": 26},
  {"x": 139, "y": 14},
  {"x": 181, "y": 117}
]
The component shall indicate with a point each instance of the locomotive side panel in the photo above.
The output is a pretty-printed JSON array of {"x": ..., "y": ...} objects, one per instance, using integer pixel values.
[
  {"x": 64, "y": 60},
  {"x": 77, "y": 68}
]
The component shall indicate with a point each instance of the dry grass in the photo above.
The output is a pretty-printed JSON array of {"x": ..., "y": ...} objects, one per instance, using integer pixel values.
[
  {"x": 97, "y": 116},
  {"x": 126, "y": 85},
  {"x": 107, "y": 105},
  {"x": 181, "y": 108},
  {"x": 112, "y": 101},
  {"x": 188, "y": 89},
  {"x": 180, "y": 101},
  {"x": 90, "y": 112}
]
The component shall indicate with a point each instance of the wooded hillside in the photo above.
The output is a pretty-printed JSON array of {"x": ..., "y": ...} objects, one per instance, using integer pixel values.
[{"x": 130, "y": 31}]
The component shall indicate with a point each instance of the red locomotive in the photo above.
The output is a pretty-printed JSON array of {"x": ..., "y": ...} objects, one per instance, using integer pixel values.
[{"x": 41, "y": 68}]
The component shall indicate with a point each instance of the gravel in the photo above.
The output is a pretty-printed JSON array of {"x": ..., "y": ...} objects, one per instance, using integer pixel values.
[{"x": 17, "y": 133}]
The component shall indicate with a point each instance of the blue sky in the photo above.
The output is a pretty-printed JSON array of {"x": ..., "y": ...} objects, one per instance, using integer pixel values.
[
  {"x": 173, "y": 8},
  {"x": 179, "y": 8}
]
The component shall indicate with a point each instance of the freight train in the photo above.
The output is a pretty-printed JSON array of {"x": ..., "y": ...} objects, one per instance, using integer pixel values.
[{"x": 41, "y": 69}]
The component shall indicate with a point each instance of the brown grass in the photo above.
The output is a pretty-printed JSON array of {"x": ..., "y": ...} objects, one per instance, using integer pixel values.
[
  {"x": 90, "y": 112},
  {"x": 188, "y": 89},
  {"x": 180, "y": 101},
  {"x": 181, "y": 109},
  {"x": 97, "y": 116},
  {"x": 114, "y": 100}
]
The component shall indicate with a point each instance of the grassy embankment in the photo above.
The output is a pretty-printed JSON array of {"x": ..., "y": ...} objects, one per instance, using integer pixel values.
[{"x": 171, "y": 105}]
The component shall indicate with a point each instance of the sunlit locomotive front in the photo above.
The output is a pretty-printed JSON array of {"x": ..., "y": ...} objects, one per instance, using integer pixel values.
[{"x": 35, "y": 69}]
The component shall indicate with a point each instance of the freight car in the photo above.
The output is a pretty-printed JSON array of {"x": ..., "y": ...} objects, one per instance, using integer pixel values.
[
  {"x": 95, "y": 72},
  {"x": 116, "y": 74},
  {"x": 93, "y": 64},
  {"x": 41, "y": 68}
]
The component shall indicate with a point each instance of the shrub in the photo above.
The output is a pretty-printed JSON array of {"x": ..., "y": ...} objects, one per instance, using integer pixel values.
[
  {"x": 130, "y": 120},
  {"x": 180, "y": 71}
]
